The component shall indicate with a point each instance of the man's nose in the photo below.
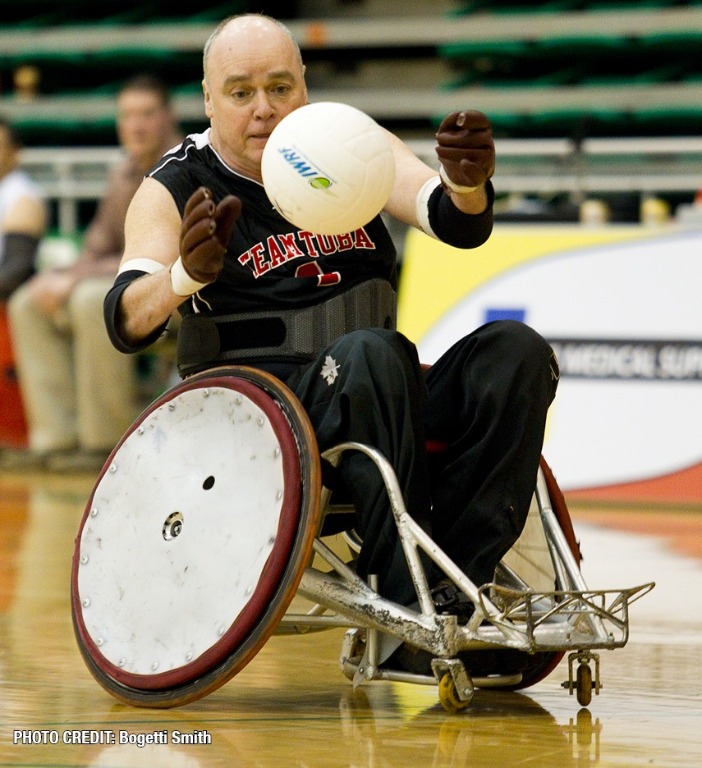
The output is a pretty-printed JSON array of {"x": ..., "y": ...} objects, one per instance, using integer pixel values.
[{"x": 262, "y": 106}]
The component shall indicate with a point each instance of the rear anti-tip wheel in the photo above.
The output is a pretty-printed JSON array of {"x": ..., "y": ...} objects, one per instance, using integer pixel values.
[
  {"x": 448, "y": 695},
  {"x": 583, "y": 684}
]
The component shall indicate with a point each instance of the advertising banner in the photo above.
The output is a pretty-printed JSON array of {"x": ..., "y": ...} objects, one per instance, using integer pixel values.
[{"x": 621, "y": 307}]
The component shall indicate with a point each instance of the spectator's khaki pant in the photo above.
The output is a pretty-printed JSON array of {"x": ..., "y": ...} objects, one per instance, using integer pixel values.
[{"x": 78, "y": 390}]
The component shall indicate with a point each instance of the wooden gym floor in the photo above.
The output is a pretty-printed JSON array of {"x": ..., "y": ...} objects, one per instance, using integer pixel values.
[{"x": 292, "y": 706}]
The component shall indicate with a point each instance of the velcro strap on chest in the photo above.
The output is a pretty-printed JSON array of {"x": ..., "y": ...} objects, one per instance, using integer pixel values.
[{"x": 294, "y": 334}]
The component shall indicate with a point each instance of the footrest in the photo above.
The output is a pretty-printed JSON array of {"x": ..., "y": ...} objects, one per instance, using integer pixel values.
[{"x": 560, "y": 620}]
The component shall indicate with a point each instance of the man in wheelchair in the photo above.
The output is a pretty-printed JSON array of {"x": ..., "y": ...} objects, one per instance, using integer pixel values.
[{"x": 191, "y": 230}]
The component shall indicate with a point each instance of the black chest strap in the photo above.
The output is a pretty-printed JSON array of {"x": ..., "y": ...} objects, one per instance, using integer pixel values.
[{"x": 295, "y": 334}]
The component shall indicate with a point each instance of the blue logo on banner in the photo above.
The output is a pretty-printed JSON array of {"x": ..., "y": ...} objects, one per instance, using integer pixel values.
[{"x": 505, "y": 314}]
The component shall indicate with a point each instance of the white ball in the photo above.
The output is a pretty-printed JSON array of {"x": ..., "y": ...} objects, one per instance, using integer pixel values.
[{"x": 328, "y": 168}]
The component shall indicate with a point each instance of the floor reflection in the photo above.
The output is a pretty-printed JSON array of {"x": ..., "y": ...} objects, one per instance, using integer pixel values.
[{"x": 293, "y": 707}]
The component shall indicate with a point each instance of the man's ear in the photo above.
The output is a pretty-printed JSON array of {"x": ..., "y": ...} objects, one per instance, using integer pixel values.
[{"x": 208, "y": 101}]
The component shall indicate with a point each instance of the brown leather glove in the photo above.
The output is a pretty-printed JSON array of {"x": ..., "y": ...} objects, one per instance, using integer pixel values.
[
  {"x": 466, "y": 150},
  {"x": 205, "y": 233}
]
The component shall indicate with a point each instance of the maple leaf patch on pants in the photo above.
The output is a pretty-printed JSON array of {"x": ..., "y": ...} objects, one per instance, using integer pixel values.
[{"x": 330, "y": 370}]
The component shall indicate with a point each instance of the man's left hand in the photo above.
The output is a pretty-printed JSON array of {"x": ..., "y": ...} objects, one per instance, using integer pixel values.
[{"x": 466, "y": 150}]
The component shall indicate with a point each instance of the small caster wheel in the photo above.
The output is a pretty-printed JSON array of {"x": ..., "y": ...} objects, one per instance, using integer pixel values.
[
  {"x": 448, "y": 695},
  {"x": 583, "y": 684}
]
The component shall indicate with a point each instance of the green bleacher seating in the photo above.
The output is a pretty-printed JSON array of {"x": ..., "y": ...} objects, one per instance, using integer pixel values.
[{"x": 549, "y": 50}]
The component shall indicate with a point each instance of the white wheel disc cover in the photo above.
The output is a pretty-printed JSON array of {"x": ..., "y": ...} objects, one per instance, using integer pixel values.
[{"x": 179, "y": 530}]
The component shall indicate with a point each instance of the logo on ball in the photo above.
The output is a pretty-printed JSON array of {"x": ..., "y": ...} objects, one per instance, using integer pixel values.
[
  {"x": 328, "y": 168},
  {"x": 299, "y": 163}
]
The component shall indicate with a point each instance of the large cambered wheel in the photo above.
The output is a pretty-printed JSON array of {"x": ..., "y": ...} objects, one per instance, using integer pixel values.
[{"x": 195, "y": 537}]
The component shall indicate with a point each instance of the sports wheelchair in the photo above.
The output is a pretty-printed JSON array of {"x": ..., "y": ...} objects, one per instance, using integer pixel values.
[{"x": 210, "y": 516}]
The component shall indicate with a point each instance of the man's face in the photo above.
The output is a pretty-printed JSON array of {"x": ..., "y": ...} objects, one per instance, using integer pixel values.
[
  {"x": 253, "y": 80},
  {"x": 143, "y": 123}
]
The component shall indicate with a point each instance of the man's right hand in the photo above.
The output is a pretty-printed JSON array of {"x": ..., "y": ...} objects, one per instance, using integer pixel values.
[{"x": 205, "y": 233}]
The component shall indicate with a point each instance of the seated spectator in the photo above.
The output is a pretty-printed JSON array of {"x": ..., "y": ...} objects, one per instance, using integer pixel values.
[
  {"x": 23, "y": 218},
  {"x": 80, "y": 394},
  {"x": 23, "y": 215}
]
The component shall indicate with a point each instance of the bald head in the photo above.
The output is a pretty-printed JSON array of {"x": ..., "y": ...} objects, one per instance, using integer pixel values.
[{"x": 250, "y": 27}]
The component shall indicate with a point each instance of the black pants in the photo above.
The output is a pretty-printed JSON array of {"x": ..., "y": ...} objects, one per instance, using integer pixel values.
[{"x": 486, "y": 399}]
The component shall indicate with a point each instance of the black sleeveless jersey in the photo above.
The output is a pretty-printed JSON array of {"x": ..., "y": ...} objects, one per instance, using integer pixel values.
[{"x": 270, "y": 263}]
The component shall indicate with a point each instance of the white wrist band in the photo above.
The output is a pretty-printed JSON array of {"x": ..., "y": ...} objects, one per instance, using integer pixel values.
[
  {"x": 422, "y": 204},
  {"x": 459, "y": 189},
  {"x": 181, "y": 282}
]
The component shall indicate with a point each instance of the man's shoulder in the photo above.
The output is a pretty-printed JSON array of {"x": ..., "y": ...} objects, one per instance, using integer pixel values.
[
  {"x": 195, "y": 163},
  {"x": 194, "y": 150}
]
